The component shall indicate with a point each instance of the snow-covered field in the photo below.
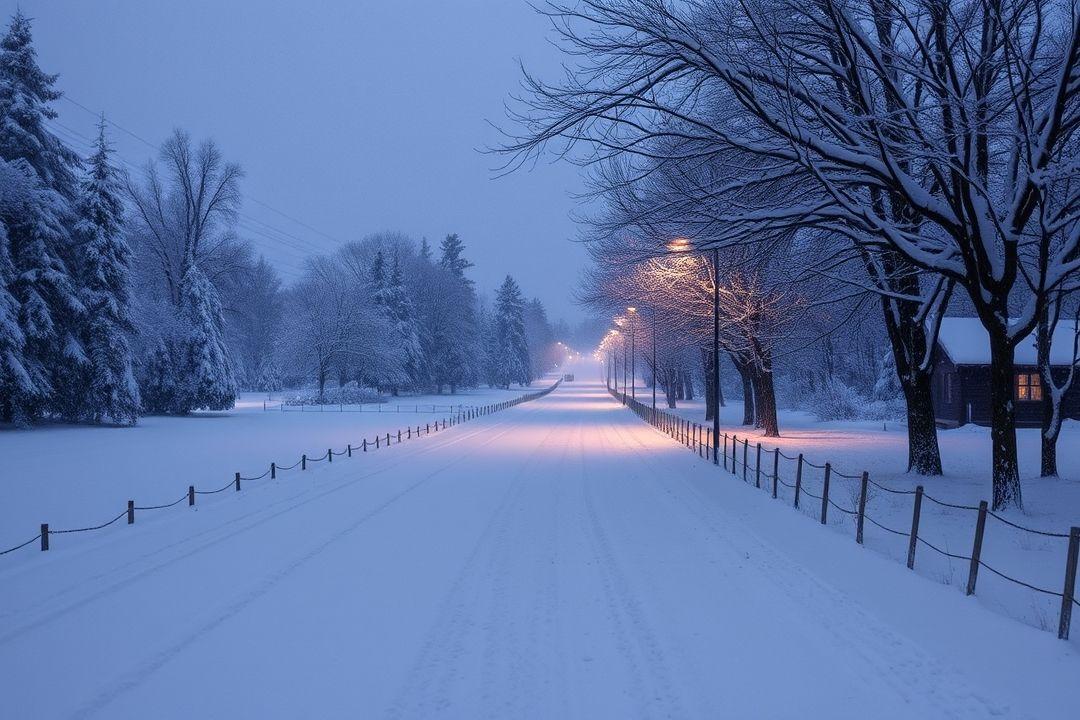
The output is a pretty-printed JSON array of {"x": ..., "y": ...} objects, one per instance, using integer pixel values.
[
  {"x": 852, "y": 447},
  {"x": 559, "y": 559},
  {"x": 75, "y": 476}
]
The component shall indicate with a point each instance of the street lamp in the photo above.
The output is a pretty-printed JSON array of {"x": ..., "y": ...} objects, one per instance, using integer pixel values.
[
  {"x": 680, "y": 245},
  {"x": 632, "y": 313}
]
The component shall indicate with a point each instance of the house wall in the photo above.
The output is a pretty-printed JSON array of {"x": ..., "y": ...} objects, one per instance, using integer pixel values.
[
  {"x": 948, "y": 392},
  {"x": 976, "y": 382},
  {"x": 970, "y": 388}
]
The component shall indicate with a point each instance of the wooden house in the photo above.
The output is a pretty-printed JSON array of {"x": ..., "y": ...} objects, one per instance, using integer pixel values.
[{"x": 961, "y": 381}]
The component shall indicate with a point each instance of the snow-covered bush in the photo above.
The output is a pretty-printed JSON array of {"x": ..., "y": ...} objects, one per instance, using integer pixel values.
[
  {"x": 348, "y": 394},
  {"x": 835, "y": 400}
]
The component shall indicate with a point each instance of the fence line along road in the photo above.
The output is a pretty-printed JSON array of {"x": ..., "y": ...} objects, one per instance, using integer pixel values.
[
  {"x": 464, "y": 414},
  {"x": 283, "y": 406},
  {"x": 750, "y": 470}
]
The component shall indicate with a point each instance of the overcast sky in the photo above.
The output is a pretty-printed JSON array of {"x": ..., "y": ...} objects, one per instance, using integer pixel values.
[{"x": 351, "y": 116}]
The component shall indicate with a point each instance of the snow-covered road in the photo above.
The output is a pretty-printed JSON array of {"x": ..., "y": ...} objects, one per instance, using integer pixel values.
[{"x": 559, "y": 559}]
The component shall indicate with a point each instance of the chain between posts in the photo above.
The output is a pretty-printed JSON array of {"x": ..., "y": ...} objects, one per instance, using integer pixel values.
[
  {"x": 235, "y": 483},
  {"x": 674, "y": 426}
]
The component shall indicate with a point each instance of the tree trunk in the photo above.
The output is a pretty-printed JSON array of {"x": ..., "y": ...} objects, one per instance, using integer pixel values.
[
  {"x": 1004, "y": 464},
  {"x": 1052, "y": 395},
  {"x": 765, "y": 400},
  {"x": 924, "y": 455},
  {"x": 747, "y": 392},
  {"x": 322, "y": 384},
  {"x": 688, "y": 385},
  {"x": 909, "y": 343}
]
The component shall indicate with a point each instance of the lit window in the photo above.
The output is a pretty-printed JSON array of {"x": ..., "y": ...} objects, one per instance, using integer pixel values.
[{"x": 1028, "y": 386}]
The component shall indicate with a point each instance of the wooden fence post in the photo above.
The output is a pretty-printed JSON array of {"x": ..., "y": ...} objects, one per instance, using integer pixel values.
[
  {"x": 190, "y": 495},
  {"x": 914, "y": 538},
  {"x": 330, "y": 454},
  {"x": 725, "y": 451},
  {"x": 273, "y": 471},
  {"x": 237, "y": 481},
  {"x": 775, "y": 470},
  {"x": 364, "y": 445},
  {"x": 348, "y": 450},
  {"x": 825, "y": 494},
  {"x": 44, "y": 537},
  {"x": 976, "y": 549},
  {"x": 399, "y": 435},
  {"x": 303, "y": 462},
  {"x": 131, "y": 512},
  {"x": 862, "y": 507},
  {"x": 757, "y": 468},
  {"x": 1069, "y": 592},
  {"x": 798, "y": 480},
  {"x": 745, "y": 451}
]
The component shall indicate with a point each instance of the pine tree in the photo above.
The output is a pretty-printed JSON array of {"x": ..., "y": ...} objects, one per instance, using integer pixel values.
[
  {"x": 425, "y": 250},
  {"x": 105, "y": 387},
  {"x": 379, "y": 283},
  {"x": 37, "y": 236},
  {"x": 400, "y": 308},
  {"x": 452, "y": 260},
  {"x": 208, "y": 381},
  {"x": 510, "y": 351},
  {"x": 14, "y": 379}
]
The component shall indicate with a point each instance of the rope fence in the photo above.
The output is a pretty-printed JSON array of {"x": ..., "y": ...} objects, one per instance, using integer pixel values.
[
  {"x": 749, "y": 468},
  {"x": 377, "y": 408},
  {"x": 462, "y": 414}
]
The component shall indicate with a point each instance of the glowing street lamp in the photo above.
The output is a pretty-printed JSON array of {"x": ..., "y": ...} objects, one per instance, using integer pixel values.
[{"x": 682, "y": 245}]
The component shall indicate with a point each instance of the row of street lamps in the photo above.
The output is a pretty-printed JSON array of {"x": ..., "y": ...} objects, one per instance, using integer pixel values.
[{"x": 678, "y": 245}]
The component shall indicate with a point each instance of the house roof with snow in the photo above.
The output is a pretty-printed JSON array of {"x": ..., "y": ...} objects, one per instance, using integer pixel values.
[{"x": 965, "y": 341}]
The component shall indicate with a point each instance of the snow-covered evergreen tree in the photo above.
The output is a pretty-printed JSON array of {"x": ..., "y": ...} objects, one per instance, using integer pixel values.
[
  {"x": 509, "y": 353},
  {"x": 105, "y": 387},
  {"x": 208, "y": 376},
  {"x": 452, "y": 259},
  {"x": 38, "y": 235},
  {"x": 400, "y": 307}
]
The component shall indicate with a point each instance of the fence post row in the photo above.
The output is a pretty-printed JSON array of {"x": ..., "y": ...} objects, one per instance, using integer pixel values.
[{"x": 914, "y": 539}]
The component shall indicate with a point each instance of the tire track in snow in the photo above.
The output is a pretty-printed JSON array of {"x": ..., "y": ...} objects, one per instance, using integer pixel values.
[
  {"x": 905, "y": 667},
  {"x": 51, "y": 608},
  {"x": 146, "y": 668},
  {"x": 636, "y": 639},
  {"x": 427, "y": 690}
]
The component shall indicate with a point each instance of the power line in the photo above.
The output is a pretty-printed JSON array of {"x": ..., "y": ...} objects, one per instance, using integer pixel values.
[
  {"x": 157, "y": 148},
  {"x": 294, "y": 243}
]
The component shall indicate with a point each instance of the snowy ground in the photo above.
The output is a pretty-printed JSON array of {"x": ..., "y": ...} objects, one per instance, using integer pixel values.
[
  {"x": 852, "y": 447},
  {"x": 74, "y": 476},
  {"x": 558, "y": 559}
]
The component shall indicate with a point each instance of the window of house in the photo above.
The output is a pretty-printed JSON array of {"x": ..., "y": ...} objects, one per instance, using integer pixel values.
[{"x": 1029, "y": 386}]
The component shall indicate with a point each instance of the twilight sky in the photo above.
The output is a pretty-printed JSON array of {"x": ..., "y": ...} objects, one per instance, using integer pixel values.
[{"x": 351, "y": 116}]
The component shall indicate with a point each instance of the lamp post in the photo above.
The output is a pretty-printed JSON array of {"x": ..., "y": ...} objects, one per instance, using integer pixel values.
[
  {"x": 632, "y": 313},
  {"x": 684, "y": 245}
]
